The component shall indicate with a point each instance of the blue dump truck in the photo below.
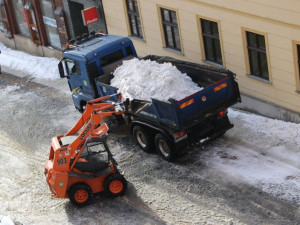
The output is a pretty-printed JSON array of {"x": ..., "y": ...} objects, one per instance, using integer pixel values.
[{"x": 169, "y": 127}]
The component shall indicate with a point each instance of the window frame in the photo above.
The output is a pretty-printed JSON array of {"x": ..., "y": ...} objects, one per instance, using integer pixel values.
[
  {"x": 162, "y": 24},
  {"x": 32, "y": 26},
  {"x": 247, "y": 58},
  {"x": 136, "y": 14},
  {"x": 202, "y": 44},
  {"x": 296, "y": 52},
  {"x": 10, "y": 20},
  {"x": 32, "y": 10},
  {"x": 5, "y": 21}
]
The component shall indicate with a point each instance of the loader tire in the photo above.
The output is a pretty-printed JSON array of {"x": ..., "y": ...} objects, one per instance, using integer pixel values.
[
  {"x": 80, "y": 194},
  {"x": 164, "y": 147},
  {"x": 115, "y": 185},
  {"x": 143, "y": 138}
]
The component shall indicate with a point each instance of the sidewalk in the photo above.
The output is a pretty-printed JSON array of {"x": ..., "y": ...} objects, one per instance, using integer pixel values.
[{"x": 41, "y": 70}]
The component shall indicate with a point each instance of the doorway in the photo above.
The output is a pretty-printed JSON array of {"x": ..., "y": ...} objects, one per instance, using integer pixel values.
[{"x": 78, "y": 27}]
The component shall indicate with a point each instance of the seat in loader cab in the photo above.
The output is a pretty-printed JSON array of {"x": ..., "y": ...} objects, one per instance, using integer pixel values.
[{"x": 94, "y": 157}]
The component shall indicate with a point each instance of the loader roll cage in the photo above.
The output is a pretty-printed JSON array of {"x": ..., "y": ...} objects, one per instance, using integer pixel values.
[{"x": 84, "y": 131}]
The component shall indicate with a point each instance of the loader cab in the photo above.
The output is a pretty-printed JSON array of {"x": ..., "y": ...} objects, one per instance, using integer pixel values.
[
  {"x": 95, "y": 157},
  {"x": 89, "y": 58}
]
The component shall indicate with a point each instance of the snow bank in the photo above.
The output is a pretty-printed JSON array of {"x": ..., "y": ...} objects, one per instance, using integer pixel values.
[
  {"x": 270, "y": 163},
  {"x": 286, "y": 131},
  {"x": 146, "y": 79},
  {"x": 39, "y": 67}
]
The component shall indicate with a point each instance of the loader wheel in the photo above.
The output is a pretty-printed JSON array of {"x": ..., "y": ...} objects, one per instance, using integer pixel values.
[
  {"x": 115, "y": 185},
  {"x": 164, "y": 147},
  {"x": 143, "y": 138},
  {"x": 80, "y": 194}
]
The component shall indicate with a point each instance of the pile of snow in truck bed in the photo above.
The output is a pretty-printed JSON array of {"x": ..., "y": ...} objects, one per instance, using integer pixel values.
[{"x": 146, "y": 79}]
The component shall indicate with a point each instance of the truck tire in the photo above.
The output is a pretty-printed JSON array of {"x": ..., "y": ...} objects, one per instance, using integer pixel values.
[
  {"x": 80, "y": 194},
  {"x": 164, "y": 147},
  {"x": 115, "y": 185},
  {"x": 143, "y": 138}
]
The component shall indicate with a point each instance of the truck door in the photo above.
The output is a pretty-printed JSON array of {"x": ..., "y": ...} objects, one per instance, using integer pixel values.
[
  {"x": 73, "y": 72},
  {"x": 77, "y": 75}
]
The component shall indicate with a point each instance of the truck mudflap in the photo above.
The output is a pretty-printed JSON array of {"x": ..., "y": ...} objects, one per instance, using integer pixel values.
[{"x": 202, "y": 133}]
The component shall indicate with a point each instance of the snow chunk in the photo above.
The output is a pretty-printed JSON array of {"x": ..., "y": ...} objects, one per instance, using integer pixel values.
[
  {"x": 146, "y": 79},
  {"x": 5, "y": 220},
  {"x": 39, "y": 67}
]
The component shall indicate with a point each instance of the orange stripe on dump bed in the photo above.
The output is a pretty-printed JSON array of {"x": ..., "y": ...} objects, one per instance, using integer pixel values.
[
  {"x": 187, "y": 103},
  {"x": 218, "y": 88}
]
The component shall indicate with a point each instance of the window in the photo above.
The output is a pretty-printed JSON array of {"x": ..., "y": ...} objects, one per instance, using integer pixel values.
[
  {"x": 32, "y": 24},
  {"x": 134, "y": 18},
  {"x": 298, "y": 66},
  {"x": 211, "y": 41},
  {"x": 129, "y": 50},
  {"x": 73, "y": 67},
  {"x": 112, "y": 57},
  {"x": 21, "y": 18},
  {"x": 257, "y": 54},
  {"x": 170, "y": 29},
  {"x": 4, "y": 26},
  {"x": 7, "y": 19},
  {"x": 50, "y": 23},
  {"x": 93, "y": 70}
]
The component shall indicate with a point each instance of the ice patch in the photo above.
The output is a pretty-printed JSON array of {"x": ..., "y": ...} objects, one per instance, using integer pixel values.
[
  {"x": 10, "y": 89},
  {"x": 146, "y": 79}
]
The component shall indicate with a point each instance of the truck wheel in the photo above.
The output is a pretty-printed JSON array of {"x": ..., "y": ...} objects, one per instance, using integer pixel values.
[
  {"x": 143, "y": 138},
  {"x": 115, "y": 185},
  {"x": 164, "y": 147},
  {"x": 80, "y": 194}
]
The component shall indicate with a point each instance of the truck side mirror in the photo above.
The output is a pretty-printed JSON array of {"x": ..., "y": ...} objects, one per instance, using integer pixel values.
[{"x": 62, "y": 69}]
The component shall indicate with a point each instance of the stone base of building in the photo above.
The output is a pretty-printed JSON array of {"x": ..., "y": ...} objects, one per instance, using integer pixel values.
[
  {"x": 25, "y": 44},
  {"x": 267, "y": 109}
]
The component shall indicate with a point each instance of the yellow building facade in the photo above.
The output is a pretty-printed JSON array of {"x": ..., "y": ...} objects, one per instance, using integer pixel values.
[{"x": 257, "y": 40}]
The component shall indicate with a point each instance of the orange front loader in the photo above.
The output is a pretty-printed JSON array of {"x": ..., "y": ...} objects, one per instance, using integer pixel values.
[{"x": 80, "y": 162}]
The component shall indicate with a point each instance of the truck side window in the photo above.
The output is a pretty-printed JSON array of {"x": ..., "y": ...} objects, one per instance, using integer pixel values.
[
  {"x": 93, "y": 70},
  {"x": 112, "y": 57},
  {"x": 73, "y": 67},
  {"x": 129, "y": 50}
]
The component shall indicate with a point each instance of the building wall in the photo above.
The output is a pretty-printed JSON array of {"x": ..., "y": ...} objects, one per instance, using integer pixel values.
[
  {"x": 86, "y": 4},
  {"x": 278, "y": 21},
  {"x": 52, "y": 21}
]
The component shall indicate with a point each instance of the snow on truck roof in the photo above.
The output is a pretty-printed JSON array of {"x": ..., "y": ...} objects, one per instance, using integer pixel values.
[{"x": 86, "y": 50}]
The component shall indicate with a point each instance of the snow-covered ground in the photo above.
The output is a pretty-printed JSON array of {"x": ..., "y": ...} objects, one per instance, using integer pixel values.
[
  {"x": 268, "y": 159},
  {"x": 252, "y": 166}
]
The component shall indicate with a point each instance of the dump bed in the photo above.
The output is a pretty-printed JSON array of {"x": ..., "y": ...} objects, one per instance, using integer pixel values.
[{"x": 220, "y": 91}]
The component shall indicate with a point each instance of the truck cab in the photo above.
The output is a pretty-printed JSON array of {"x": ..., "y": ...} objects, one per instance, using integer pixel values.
[{"x": 90, "y": 57}]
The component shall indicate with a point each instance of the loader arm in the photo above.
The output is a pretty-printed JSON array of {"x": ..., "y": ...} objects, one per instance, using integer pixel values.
[
  {"x": 95, "y": 120},
  {"x": 95, "y": 112},
  {"x": 90, "y": 106}
]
